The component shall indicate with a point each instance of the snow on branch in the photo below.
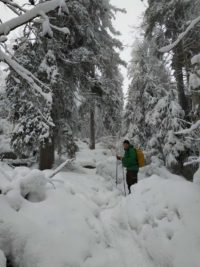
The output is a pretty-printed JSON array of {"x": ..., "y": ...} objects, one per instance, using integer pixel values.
[
  {"x": 28, "y": 16},
  {"x": 13, "y": 6},
  {"x": 192, "y": 162},
  {"x": 27, "y": 76},
  {"x": 194, "y": 127},
  {"x": 168, "y": 48}
]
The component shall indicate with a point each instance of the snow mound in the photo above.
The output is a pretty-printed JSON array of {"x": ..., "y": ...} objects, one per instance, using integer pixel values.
[
  {"x": 87, "y": 157},
  {"x": 85, "y": 221},
  {"x": 107, "y": 169},
  {"x": 33, "y": 186},
  {"x": 163, "y": 216},
  {"x": 30, "y": 186},
  {"x": 2, "y": 259}
]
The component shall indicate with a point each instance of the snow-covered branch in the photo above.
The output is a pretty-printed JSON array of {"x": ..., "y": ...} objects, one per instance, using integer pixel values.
[
  {"x": 194, "y": 127},
  {"x": 194, "y": 161},
  {"x": 60, "y": 167},
  {"x": 168, "y": 48},
  {"x": 16, "y": 8},
  {"x": 28, "y": 16},
  {"x": 26, "y": 75}
]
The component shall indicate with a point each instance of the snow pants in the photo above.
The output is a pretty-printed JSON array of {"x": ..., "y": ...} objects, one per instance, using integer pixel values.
[{"x": 131, "y": 178}]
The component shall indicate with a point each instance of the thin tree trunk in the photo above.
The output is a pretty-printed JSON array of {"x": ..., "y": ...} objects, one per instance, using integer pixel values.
[
  {"x": 46, "y": 155},
  {"x": 180, "y": 80},
  {"x": 92, "y": 126}
]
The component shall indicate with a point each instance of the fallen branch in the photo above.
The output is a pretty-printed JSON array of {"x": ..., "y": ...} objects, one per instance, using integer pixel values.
[{"x": 57, "y": 170}]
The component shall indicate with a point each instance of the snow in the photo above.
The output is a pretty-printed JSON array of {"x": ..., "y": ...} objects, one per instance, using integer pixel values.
[
  {"x": 5, "y": 129},
  {"x": 195, "y": 59},
  {"x": 194, "y": 80},
  {"x": 164, "y": 218},
  {"x": 85, "y": 221}
]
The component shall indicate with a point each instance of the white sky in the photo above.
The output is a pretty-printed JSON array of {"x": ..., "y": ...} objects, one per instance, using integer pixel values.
[{"x": 127, "y": 24}]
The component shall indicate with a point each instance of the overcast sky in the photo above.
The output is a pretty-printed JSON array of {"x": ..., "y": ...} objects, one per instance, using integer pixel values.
[{"x": 126, "y": 23}]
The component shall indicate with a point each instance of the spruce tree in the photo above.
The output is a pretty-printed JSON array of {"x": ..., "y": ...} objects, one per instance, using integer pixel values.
[
  {"x": 166, "y": 22},
  {"x": 75, "y": 64}
]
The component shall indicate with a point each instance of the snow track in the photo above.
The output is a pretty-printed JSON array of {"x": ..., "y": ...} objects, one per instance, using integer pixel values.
[
  {"x": 85, "y": 221},
  {"x": 74, "y": 226}
]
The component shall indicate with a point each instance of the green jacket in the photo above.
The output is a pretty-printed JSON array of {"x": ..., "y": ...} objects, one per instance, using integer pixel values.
[{"x": 129, "y": 160}]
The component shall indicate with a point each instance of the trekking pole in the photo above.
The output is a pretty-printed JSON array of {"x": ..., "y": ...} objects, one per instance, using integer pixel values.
[
  {"x": 116, "y": 172},
  {"x": 124, "y": 181}
]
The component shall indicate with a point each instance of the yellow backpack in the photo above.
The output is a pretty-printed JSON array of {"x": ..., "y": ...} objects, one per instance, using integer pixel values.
[{"x": 140, "y": 157}]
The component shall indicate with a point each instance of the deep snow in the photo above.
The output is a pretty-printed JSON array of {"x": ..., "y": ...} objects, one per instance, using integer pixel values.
[{"x": 86, "y": 221}]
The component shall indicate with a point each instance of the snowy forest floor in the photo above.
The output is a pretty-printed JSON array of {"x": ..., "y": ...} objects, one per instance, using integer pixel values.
[{"x": 85, "y": 221}]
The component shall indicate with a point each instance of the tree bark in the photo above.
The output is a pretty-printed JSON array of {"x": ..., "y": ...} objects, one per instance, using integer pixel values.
[
  {"x": 178, "y": 68},
  {"x": 46, "y": 155},
  {"x": 92, "y": 126}
]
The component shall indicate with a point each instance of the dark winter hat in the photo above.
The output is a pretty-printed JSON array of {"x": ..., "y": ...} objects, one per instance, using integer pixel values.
[{"x": 126, "y": 142}]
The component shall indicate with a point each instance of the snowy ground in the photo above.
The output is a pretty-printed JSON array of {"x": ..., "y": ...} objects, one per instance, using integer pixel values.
[{"x": 85, "y": 221}]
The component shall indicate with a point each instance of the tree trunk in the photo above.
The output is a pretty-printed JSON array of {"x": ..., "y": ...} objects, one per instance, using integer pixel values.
[
  {"x": 180, "y": 80},
  {"x": 92, "y": 126},
  {"x": 46, "y": 155}
]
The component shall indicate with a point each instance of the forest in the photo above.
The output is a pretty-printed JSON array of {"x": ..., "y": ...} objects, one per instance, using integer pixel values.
[{"x": 64, "y": 116}]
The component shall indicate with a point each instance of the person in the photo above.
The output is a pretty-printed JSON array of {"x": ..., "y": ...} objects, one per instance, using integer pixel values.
[{"x": 130, "y": 162}]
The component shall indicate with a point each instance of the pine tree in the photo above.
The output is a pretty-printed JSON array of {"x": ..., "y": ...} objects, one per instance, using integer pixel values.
[
  {"x": 93, "y": 49},
  {"x": 149, "y": 82},
  {"x": 166, "y": 22},
  {"x": 167, "y": 118},
  {"x": 153, "y": 115},
  {"x": 78, "y": 63}
]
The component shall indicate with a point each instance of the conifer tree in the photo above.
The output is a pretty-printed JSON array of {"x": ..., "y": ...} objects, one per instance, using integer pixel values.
[{"x": 78, "y": 62}]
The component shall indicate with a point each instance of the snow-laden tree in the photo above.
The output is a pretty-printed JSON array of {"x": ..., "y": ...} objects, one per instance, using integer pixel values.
[
  {"x": 193, "y": 131},
  {"x": 108, "y": 108},
  {"x": 82, "y": 64},
  {"x": 25, "y": 17},
  {"x": 30, "y": 113},
  {"x": 94, "y": 57},
  {"x": 149, "y": 82},
  {"x": 189, "y": 40},
  {"x": 167, "y": 118},
  {"x": 166, "y": 21},
  {"x": 153, "y": 114}
]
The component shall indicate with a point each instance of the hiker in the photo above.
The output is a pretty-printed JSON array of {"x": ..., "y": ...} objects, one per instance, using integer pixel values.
[{"x": 130, "y": 162}]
